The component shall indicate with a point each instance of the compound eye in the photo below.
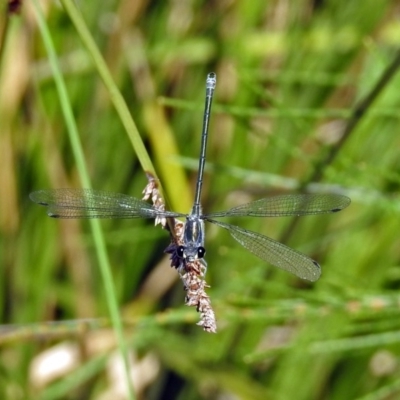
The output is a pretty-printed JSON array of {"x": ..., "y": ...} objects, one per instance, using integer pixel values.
[
  {"x": 201, "y": 251},
  {"x": 179, "y": 251}
]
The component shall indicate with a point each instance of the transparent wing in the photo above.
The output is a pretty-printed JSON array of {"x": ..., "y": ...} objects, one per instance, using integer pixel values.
[
  {"x": 274, "y": 252},
  {"x": 287, "y": 205},
  {"x": 88, "y": 203}
]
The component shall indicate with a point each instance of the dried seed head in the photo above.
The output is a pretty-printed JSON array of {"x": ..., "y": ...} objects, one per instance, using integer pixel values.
[
  {"x": 193, "y": 273},
  {"x": 151, "y": 191}
]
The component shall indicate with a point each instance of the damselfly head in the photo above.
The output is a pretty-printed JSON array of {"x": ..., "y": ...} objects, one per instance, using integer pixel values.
[{"x": 191, "y": 253}]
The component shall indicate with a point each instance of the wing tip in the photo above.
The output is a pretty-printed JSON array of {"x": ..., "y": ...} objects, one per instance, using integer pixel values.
[
  {"x": 35, "y": 197},
  {"x": 346, "y": 203},
  {"x": 316, "y": 273}
]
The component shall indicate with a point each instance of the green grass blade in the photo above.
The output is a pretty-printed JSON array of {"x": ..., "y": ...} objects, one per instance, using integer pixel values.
[
  {"x": 84, "y": 176},
  {"x": 115, "y": 95}
]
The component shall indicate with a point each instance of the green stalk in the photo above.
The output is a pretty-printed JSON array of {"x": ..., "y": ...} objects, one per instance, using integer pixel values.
[
  {"x": 114, "y": 93},
  {"x": 84, "y": 177}
]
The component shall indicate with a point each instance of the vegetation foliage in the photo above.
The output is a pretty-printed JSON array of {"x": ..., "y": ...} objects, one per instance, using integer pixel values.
[{"x": 307, "y": 99}]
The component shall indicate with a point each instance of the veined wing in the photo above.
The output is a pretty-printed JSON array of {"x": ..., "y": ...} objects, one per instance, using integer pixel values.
[
  {"x": 88, "y": 203},
  {"x": 287, "y": 205},
  {"x": 274, "y": 252}
]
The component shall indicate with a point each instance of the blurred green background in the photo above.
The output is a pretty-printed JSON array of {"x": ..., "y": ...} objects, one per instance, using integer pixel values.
[{"x": 290, "y": 76}]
